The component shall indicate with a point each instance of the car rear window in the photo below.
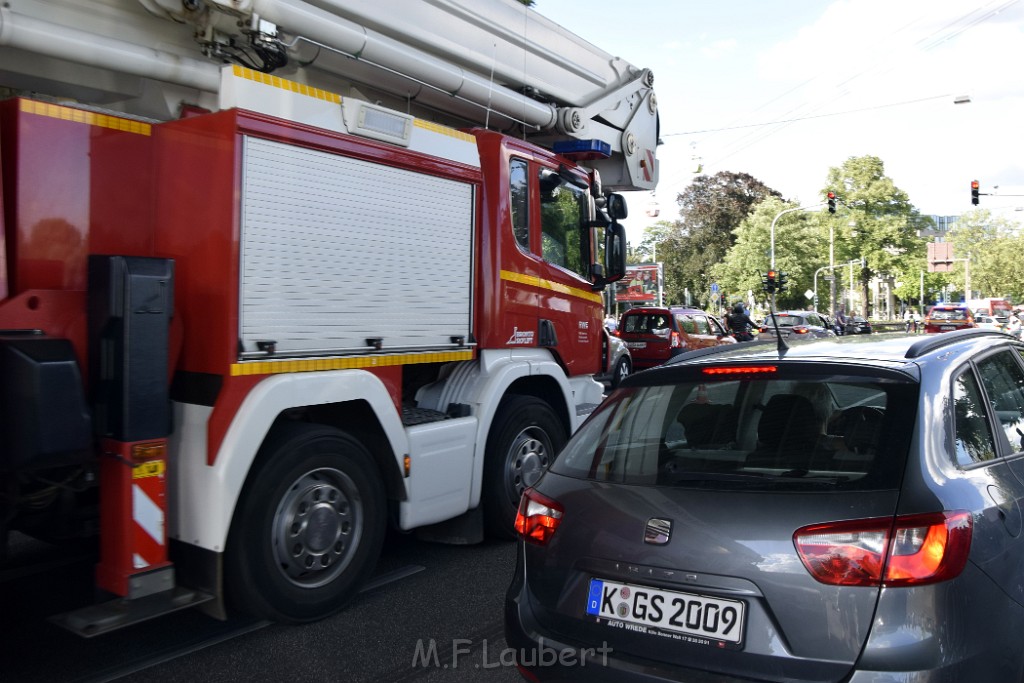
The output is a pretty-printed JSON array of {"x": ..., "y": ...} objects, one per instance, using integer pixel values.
[
  {"x": 646, "y": 323},
  {"x": 799, "y": 433},
  {"x": 786, "y": 320},
  {"x": 948, "y": 314}
]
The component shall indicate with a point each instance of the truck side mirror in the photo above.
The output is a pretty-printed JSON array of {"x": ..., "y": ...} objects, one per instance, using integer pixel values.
[
  {"x": 616, "y": 206},
  {"x": 615, "y": 251}
]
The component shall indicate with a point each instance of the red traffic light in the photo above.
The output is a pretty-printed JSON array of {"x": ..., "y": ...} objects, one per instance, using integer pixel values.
[
  {"x": 974, "y": 185},
  {"x": 831, "y": 202},
  {"x": 831, "y": 195}
]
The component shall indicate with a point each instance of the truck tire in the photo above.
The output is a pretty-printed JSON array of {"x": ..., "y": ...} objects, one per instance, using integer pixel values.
[
  {"x": 308, "y": 527},
  {"x": 524, "y": 438}
]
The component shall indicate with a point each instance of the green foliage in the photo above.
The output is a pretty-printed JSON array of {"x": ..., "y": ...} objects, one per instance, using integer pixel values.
[
  {"x": 994, "y": 247},
  {"x": 711, "y": 208},
  {"x": 724, "y": 236},
  {"x": 876, "y": 221},
  {"x": 800, "y": 248}
]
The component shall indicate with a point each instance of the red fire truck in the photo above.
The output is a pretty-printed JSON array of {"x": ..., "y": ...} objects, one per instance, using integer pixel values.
[{"x": 275, "y": 274}]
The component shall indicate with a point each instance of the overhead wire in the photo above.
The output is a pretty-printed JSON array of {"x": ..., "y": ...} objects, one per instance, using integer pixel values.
[{"x": 807, "y": 111}]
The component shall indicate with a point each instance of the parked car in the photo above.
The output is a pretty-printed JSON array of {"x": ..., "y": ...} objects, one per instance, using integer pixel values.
[
  {"x": 654, "y": 335},
  {"x": 618, "y": 361},
  {"x": 988, "y": 322},
  {"x": 849, "y": 510},
  {"x": 857, "y": 325},
  {"x": 946, "y": 318},
  {"x": 796, "y": 325}
]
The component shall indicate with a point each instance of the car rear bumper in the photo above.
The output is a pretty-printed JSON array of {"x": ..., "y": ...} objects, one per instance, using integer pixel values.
[
  {"x": 937, "y": 653},
  {"x": 554, "y": 660},
  {"x": 640, "y": 363}
]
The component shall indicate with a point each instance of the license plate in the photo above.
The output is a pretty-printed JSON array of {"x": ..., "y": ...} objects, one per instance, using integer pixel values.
[
  {"x": 946, "y": 328},
  {"x": 636, "y": 345},
  {"x": 699, "y": 616}
]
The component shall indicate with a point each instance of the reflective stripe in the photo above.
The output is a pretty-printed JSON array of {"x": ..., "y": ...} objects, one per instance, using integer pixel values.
[
  {"x": 551, "y": 286},
  {"x": 55, "y": 111},
  {"x": 320, "y": 364}
]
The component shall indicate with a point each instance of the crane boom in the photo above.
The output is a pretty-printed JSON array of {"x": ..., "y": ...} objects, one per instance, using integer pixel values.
[{"x": 493, "y": 63}]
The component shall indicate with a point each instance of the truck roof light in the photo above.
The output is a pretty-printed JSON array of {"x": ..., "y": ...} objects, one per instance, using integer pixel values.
[{"x": 579, "y": 150}]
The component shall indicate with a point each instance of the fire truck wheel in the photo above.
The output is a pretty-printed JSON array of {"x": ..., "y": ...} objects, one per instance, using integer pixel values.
[
  {"x": 308, "y": 527},
  {"x": 523, "y": 440}
]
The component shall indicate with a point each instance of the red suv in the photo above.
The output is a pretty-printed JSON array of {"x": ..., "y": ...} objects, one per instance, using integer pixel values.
[
  {"x": 946, "y": 318},
  {"x": 654, "y": 335}
]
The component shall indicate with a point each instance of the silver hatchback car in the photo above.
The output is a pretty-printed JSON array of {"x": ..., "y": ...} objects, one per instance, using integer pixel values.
[
  {"x": 796, "y": 325},
  {"x": 843, "y": 511}
]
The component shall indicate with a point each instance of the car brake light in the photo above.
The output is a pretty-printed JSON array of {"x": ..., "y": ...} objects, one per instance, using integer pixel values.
[
  {"x": 801, "y": 329},
  {"x": 913, "y": 550},
  {"x": 740, "y": 370},
  {"x": 676, "y": 341},
  {"x": 538, "y": 517}
]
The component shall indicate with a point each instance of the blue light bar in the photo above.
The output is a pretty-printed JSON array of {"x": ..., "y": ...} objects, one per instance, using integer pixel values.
[{"x": 583, "y": 149}]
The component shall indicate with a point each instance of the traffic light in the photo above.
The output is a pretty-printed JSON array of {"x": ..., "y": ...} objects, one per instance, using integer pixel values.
[
  {"x": 831, "y": 202},
  {"x": 768, "y": 281},
  {"x": 781, "y": 279},
  {"x": 975, "y": 186}
]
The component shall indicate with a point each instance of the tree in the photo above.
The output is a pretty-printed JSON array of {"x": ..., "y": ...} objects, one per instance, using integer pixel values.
[
  {"x": 881, "y": 225},
  {"x": 649, "y": 249},
  {"x": 800, "y": 249},
  {"x": 710, "y": 209}
]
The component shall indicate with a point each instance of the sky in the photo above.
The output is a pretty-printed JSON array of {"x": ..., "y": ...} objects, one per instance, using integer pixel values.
[{"x": 786, "y": 90}]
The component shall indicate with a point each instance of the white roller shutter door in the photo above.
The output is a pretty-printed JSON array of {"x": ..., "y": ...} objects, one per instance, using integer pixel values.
[{"x": 337, "y": 250}]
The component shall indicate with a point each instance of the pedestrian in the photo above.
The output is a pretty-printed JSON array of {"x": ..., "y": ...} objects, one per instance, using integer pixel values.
[
  {"x": 917, "y": 320},
  {"x": 908, "y": 319}
]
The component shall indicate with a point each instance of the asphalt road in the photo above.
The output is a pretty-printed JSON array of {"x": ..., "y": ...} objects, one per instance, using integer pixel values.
[{"x": 437, "y": 618}]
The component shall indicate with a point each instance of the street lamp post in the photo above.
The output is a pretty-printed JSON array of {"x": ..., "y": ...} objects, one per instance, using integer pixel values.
[{"x": 776, "y": 220}]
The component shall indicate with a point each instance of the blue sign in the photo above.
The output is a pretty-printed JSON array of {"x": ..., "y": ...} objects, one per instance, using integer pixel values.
[{"x": 714, "y": 288}]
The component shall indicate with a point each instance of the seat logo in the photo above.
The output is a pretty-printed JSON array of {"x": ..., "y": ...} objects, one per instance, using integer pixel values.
[{"x": 658, "y": 531}]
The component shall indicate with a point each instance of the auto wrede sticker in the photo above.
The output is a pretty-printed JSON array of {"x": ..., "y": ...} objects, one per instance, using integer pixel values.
[{"x": 520, "y": 337}]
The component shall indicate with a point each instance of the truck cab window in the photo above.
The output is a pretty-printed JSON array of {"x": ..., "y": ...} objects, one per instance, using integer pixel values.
[
  {"x": 519, "y": 189},
  {"x": 563, "y": 217}
]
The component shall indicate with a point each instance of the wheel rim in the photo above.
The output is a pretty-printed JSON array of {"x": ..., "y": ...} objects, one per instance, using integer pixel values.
[
  {"x": 528, "y": 457},
  {"x": 317, "y": 527},
  {"x": 623, "y": 371}
]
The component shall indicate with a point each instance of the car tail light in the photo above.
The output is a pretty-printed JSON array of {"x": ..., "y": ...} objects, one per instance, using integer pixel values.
[
  {"x": 800, "y": 329},
  {"x": 675, "y": 341},
  {"x": 912, "y": 550},
  {"x": 538, "y": 517}
]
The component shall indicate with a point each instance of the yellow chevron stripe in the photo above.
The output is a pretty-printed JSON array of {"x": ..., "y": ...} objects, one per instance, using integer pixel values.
[
  {"x": 55, "y": 111},
  {"x": 274, "y": 367},
  {"x": 285, "y": 84},
  {"x": 302, "y": 89},
  {"x": 550, "y": 286}
]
